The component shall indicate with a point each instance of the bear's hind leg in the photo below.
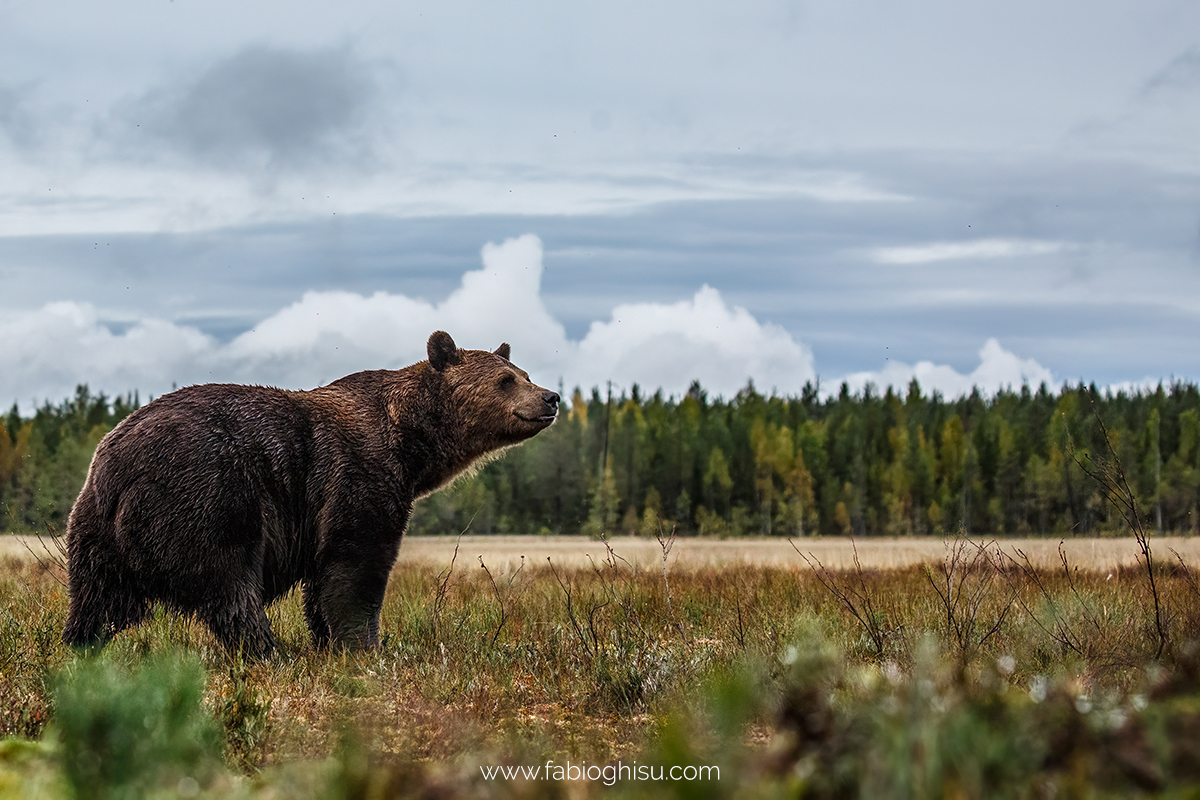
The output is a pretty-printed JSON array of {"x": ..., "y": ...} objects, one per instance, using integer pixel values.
[
  {"x": 93, "y": 625},
  {"x": 100, "y": 609},
  {"x": 105, "y": 595}
]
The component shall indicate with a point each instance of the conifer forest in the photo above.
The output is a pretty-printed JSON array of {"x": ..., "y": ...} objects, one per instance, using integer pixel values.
[{"x": 1020, "y": 462}]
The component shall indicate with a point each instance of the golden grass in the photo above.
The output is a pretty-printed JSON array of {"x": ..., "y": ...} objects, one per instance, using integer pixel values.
[
  {"x": 835, "y": 553},
  {"x": 504, "y": 552}
]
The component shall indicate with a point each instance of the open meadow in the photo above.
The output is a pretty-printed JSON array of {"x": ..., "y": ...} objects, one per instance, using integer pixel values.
[
  {"x": 876, "y": 552},
  {"x": 932, "y": 668}
]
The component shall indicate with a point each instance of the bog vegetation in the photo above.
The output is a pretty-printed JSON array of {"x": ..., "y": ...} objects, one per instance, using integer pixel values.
[
  {"x": 976, "y": 676},
  {"x": 851, "y": 464}
]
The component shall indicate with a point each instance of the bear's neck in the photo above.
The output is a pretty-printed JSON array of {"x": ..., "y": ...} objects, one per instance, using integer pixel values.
[
  {"x": 428, "y": 435},
  {"x": 430, "y": 459}
]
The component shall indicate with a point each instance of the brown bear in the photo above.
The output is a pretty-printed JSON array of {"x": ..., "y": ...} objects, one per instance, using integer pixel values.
[{"x": 217, "y": 499}]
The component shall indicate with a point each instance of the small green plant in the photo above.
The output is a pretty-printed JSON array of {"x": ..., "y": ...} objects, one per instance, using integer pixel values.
[
  {"x": 244, "y": 711},
  {"x": 124, "y": 733}
]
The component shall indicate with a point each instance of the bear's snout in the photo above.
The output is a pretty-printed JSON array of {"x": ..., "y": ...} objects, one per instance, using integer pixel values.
[{"x": 549, "y": 411}]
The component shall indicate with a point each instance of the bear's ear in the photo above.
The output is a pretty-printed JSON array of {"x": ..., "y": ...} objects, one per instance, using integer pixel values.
[
  {"x": 442, "y": 350},
  {"x": 503, "y": 351}
]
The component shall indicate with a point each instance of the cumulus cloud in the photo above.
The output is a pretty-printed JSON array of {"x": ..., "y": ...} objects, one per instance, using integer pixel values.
[
  {"x": 325, "y": 335},
  {"x": 62, "y": 344},
  {"x": 264, "y": 107},
  {"x": 653, "y": 344},
  {"x": 998, "y": 368},
  {"x": 703, "y": 338}
]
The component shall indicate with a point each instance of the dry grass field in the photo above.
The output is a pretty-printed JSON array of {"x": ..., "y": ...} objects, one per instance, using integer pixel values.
[
  {"x": 505, "y": 552},
  {"x": 873, "y": 553},
  {"x": 975, "y": 677}
]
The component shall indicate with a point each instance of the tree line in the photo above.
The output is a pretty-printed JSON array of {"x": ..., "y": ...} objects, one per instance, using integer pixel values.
[
  {"x": 44, "y": 458},
  {"x": 855, "y": 463}
]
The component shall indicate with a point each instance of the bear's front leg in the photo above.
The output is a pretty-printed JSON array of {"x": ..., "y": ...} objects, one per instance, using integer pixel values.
[
  {"x": 346, "y": 600},
  {"x": 240, "y": 623},
  {"x": 314, "y": 616}
]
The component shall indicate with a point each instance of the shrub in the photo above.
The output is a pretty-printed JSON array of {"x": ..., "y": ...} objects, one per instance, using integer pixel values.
[{"x": 123, "y": 733}]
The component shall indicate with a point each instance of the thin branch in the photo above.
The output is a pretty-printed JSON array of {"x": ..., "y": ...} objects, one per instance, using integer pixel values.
[
  {"x": 1110, "y": 476},
  {"x": 665, "y": 545},
  {"x": 857, "y": 601},
  {"x": 570, "y": 609},
  {"x": 58, "y": 558}
]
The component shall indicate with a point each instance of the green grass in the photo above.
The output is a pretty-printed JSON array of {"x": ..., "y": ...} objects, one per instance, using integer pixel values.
[{"x": 976, "y": 677}]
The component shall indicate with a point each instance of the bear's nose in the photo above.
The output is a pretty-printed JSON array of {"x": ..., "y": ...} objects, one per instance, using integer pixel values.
[{"x": 550, "y": 399}]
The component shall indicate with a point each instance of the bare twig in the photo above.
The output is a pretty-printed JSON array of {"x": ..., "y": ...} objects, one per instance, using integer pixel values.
[
  {"x": 609, "y": 577},
  {"x": 966, "y": 580},
  {"x": 593, "y": 610},
  {"x": 1069, "y": 575},
  {"x": 1108, "y": 473},
  {"x": 1099, "y": 641},
  {"x": 443, "y": 580},
  {"x": 1062, "y": 633},
  {"x": 854, "y": 596},
  {"x": 579, "y": 634},
  {"x": 505, "y": 603},
  {"x": 665, "y": 545}
]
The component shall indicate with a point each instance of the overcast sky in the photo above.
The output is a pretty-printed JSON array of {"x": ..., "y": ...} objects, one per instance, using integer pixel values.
[{"x": 628, "y": 191}]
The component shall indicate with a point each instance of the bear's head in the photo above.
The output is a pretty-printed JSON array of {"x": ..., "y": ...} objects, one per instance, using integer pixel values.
[{"x": 489, "y": 399}]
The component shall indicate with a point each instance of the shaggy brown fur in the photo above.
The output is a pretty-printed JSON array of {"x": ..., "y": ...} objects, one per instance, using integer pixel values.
[{"x": 217, "y": 499}]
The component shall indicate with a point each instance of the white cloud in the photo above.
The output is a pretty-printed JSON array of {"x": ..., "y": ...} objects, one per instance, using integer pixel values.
[
  {"x": 998, "y": 368},
  {"x": 328, "y": 334},
  {"x": 699, "y": 339},
  {"x": 50, "y": 350},
  {"x": 977, "y": 249},
  {"x": 325, "y": 335}
]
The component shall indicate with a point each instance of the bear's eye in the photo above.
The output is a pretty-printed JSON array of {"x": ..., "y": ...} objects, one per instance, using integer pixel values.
[{"x": 508, "y": 381}]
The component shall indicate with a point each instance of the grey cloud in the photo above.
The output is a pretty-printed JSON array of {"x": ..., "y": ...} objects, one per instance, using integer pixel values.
[
  {"x": 1182, "y": 73},
  {"x": 266, "y": 107},
  {"x": 18, "y": 123},
  {"x": 1159, "y": 123}
]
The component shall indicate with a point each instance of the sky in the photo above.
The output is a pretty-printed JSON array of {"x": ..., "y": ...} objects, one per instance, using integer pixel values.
[{"x": 772, "y": 191}]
